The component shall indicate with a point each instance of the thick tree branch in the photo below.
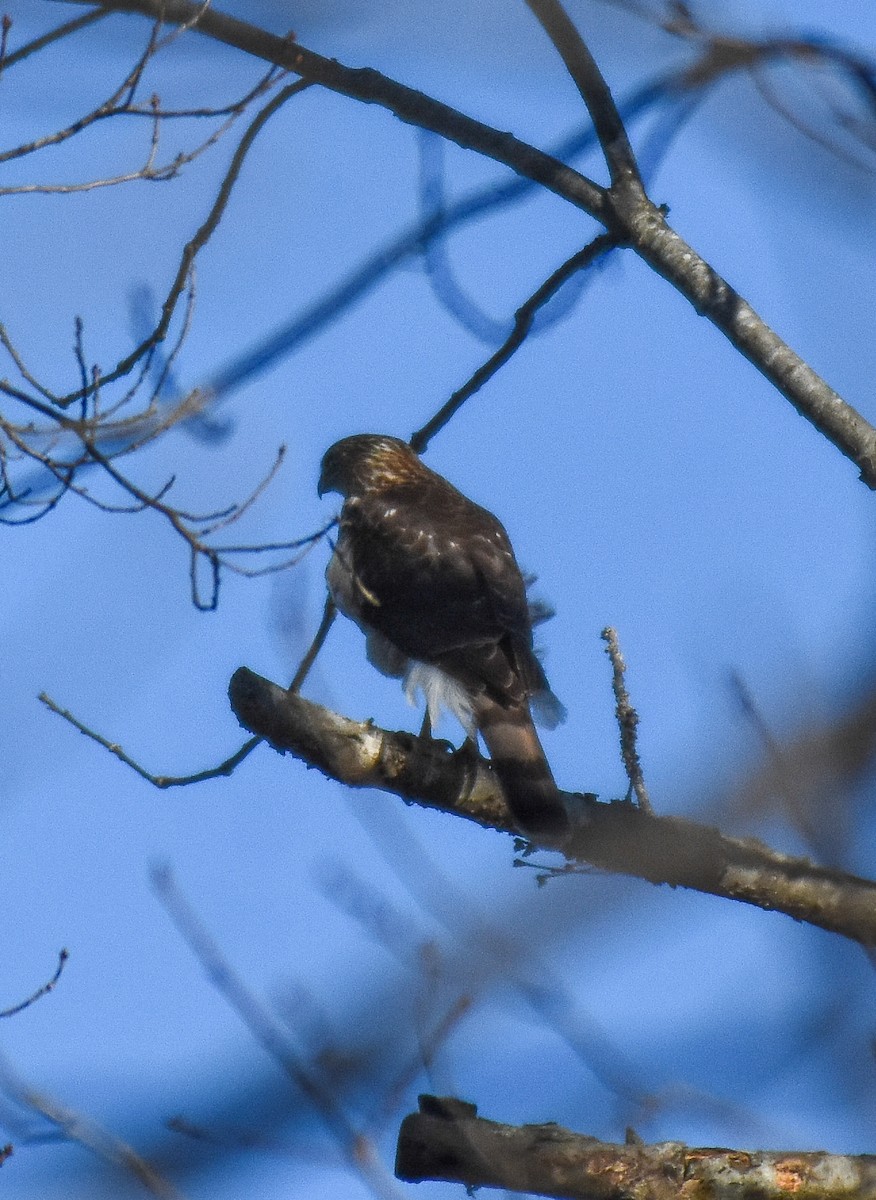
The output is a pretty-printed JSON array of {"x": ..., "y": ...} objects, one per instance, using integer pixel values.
[
  {"x": 624, "y": 211},
  {"x": 371, "y": 87},
  {"x": 615, "y": 837},
  {"x": 447, "y": 1140},
  {"x": 711, "y": 296},
  {"x": 360, "y": 754},
  {"x": 714, "y": 298}
]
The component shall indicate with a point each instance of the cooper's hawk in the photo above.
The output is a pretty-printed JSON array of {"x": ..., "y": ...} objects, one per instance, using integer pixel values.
[{"x": 431, "y": 579}]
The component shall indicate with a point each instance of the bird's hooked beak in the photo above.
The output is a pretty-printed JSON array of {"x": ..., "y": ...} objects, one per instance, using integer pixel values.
[{"x": 325, "y": 483}]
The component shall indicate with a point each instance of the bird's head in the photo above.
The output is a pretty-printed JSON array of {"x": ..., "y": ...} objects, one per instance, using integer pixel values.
[{"x": 367, "y": 462}]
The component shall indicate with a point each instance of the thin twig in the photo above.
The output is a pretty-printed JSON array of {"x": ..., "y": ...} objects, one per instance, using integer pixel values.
[
  {"x": 228, "y": 765},
  {"x": 328, "y": 615},
  {"x": 41, "y": 991},
  {"x": 120, "y": 98},
  {"x": 159, "y": 781},
  {"x": 202, "y": 235},
  {"x": 523, "y": 319},
  {"x": 225, "y": 519},
  {"x": 627, "y": 720},
  {"x": 46, "y": 39},
  {"x": 295, "y": 544}
]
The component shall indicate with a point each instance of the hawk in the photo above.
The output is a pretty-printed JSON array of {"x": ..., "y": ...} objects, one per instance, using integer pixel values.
[{"x": 431, "y": 579}]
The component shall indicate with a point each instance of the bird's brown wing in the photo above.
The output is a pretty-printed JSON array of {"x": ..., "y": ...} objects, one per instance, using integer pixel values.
[{"x": 436, "y": 575}]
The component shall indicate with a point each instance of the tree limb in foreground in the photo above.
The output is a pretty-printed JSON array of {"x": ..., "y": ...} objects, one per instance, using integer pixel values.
[
  {"x": 617, "y": 837},
  {"x": 447, "y": 1140}
]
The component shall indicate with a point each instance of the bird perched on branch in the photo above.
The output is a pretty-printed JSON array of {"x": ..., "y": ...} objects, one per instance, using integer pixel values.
[{"x": 431, "y": 579}]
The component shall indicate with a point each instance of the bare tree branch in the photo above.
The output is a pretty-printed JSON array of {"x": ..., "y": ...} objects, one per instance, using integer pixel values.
[
  {"x": 612, "y": 837},
  {"x": 371, "y": 87},
  {"x": 41, "y": 991},
  {"x": 46, "y": 39},
  {"x": 226, "y": 767},
  {"x": 594, "y": 92},
  {"x": 159, "y": 781},
  {"x": 432, "y": 226},
  {"x": 201, "y": 237},
  {"x": 628, "y": 721},
  {"x": 447, "y": 1140},
  {"x": 523, "y": 319},
  {"x": 626, "y": 212},
  {"x": 615, "y": 836}
]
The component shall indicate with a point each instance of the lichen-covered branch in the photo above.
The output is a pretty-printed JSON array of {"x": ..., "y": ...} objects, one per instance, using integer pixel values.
[
  {"x": 617, "y": 837},
  {"x": 360, "y": 754},
  {"x": 447, "y": 1140}
]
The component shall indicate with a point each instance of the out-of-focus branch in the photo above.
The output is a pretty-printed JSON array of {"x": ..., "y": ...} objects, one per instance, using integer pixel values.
[
  {"x": 615, "y": 837},
  {"x": 447, "y": 1140},
  {"x": 810, "y": 775},
  {"x": 75, "y": 1127},
  {"x": 267, "y": 1030}
]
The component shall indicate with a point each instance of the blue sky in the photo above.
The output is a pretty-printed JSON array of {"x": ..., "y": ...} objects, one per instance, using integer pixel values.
[{"x": 649, "y": 475}]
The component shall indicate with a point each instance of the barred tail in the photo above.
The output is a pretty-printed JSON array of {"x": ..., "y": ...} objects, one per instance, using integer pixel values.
[{"x": 519, "y": 762}]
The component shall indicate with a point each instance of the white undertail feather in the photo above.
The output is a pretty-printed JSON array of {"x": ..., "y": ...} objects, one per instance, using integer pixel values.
[{"x": 440, "y": 691}]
